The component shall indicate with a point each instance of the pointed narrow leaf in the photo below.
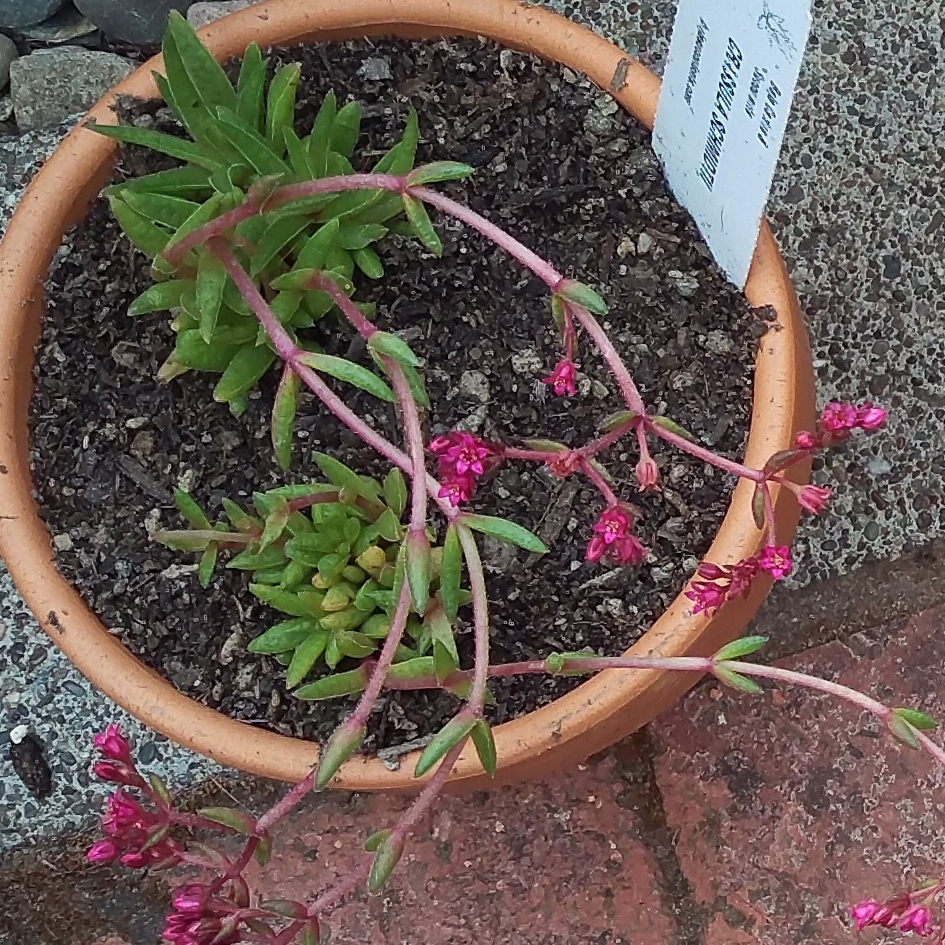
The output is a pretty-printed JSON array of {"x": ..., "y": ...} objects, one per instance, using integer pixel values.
[
  {"x": 738, "y": 649},
  {"x": 417, "y": 569},
  {"x": 280, "y": 233},
  {"x": 350, "y": 373},
  {"x": 293, "y": 603},
  {"x": 547, "y": 446},
  {"x": 417, "y": 668},
  {"x": 344, "y": 478},
  {"x": 160, "y": 788},
  {"x": 359, "y": 235},
  {"x": 375, "y": 840},
  {"x": 902, "y": 731},
  {"x": 320, "y": 138},
  {"x": 332, "y": 687},
  {"x": 439, "y": 171},
  {"x": 915, "y": 718},
  {"x": 305, "y": 656},
  {"x": 280, "y": 108},
  {"x": 758, "y": 506},
  {"x": 208, "y": 561},
  {"x": 341, "y": 746},
  {"x": 345, "y": 128},
  {"x": 583, "y": 295},
  {"x": 242, "y": 373},
  {"x": 369, "y": 263},
  {"x": 395, "y": 492},
  {"x": 283, "y": 416},
  {"x": 190, "y": 510},
  {"x": 160, "y": 297},
  {"x": 275, "y": 522},
  {"x": 730, "y": 678},
  {"x": 422, "y": 225},
  {"x": 229, "y": 817},
  {"x": 148, "y": 237},
  {"x": 250, "y": 88},
  {"x": 615, "y": 420},
  {"x": 166, "y": 210},
  {"x": 205, "y": 73},
  {"x": 664, "y": 423},
  {"x": 288, "y": 908},
  {"x": 263, "y": 850},
  {"x": 392, "y": 346},
  {"x": 284, "y": 636},
  {"x": 178, "y": 148},
  {"x": 507, "y": 531},
  {"x": 783, "y": 460},
  {"x": 253, "y": 148},
  {"x": 449, "y": 736},
  {"x": 315, "y": 251},
  {"x": 385, "y": 860},
  {"x": 211, "y": 278},
  {"x": 239, "y": 518},
  {"x": 188, "y": 181},
  {"x": 484, "y": 741},
  {"x": 451, "y": 567}
]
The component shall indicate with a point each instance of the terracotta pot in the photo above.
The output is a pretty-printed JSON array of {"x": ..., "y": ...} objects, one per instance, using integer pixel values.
[{"x": 598, "y": 713}]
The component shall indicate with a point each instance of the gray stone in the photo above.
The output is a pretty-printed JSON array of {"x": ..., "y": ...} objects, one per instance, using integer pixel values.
[
  {"x": 7, "y": 54},
  {"x": 15, "y": 14},
  {"x": 66, "y": 25},
  {"x": 51, "y": 84},
  {"x": 132, "y": 21},
  {"x": 200, "y": 14}
]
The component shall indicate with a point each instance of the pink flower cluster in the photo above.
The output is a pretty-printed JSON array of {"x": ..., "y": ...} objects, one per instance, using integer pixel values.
[
  {"x": 200, "y": 918},
  {"x": 613, "y": 539},
  {"x": 838, "y": 421},
  {"x": 127, "y": 826},
  {"x": 898, "y": 913},
  {"x": 563, "y": 379},
  {"x": 720, "y": 582},
  {"x": 463, "y": 459}
]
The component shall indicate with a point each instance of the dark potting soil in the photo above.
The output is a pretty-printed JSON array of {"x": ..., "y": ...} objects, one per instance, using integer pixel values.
[{"x": 572, "y": 176}]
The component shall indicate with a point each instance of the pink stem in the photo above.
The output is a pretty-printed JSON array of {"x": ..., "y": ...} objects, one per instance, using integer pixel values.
[
  {"x": 700, "y": 452},
  {"x": 600, "y": 482},
  {"x": 770, "y": 524},
  {"x": 272, "y": 816}
]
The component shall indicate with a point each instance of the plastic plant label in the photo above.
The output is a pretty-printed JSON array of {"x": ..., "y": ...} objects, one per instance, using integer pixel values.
[{"x": 723, "y": 108}]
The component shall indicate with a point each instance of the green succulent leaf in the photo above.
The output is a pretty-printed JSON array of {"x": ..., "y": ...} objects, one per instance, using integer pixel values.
[
  {"x": 295, "y": 604},
  {"x": 190, "y": 510},
  {"x": 178, "y": 148},
  {"x": 341, "y": 746},
  {"x": 903, "y": 731},
  {"x": 617, "y": 419},
  {"x": 275, "y": 523},
  {"x": 738, "y": 649},
  {"x": 250, "y": 88},
  {"x": 229, "y": 817},
  {"x": 280, "y": 110},
  {"x": 280, "y": 233},
  {"x": 315, "y": 251},
  {"x": 305, "y": 656},
  {"x": 385, "y": 861},
  {"x": 160, "y": 297},
  {"x": 758, "y": 506},
  {"x": 319, "y": 140},
  {"x": 915, "y": 718},
  {"x": 252, "y": 147},
  {"x": 166, "y": 210},
  {"x": 350, "y": 373},
  {"x": 211, "y": 279},
  {"x": 251, "y": 559},
  {"x": 147, "y": 236},
  {"x": 506, "y": 531},
  {"x": 243, "y": 372},
  {"x": 375, "y": 840},
  {"x": 422, "y": 225},
  {"x": 385, "y": 344},
  {"x": 344, "y": 478},
  {"x": 417, "y": 567},
  {"x": 484, "y": 742},
  {"x": 188, "y": 181},
  {"x": 283, "y": 416},
  {"x": 345, "y": 128},
  {"x": 664, "y": 423},
  {"x": 204, "y": 73},
  {"x": 451, "y": 568},
  {"x": 448, "y": 737},
  {"x": 417, "y": 668},
  {"x": 736, "y": 680},
  {"x": 439, "y": 171},
  {"x": 369, "y": 263},
  {"x": 331, "y": 687},
  {"x": 782, "y": 460},
  {"x": 399, "y": 159},
  {"x": 395, "y": 492},
  {"x": 284, "y": 636},
  {"x": 583, "y": 295},
  {"x": 358, "y": 235},
  {"x": 208, "y": 561}
]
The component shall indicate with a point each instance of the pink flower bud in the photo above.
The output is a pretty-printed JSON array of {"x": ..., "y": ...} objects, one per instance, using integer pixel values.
[
  {"x": 813, "y": 499},
  {"x": 647, "y": 473},
  {"x": 458, "y": 489},
  {"x": 103, "y": 851},
  {"x": 863, "y": 913},
  {"x": 918, "y": 919},
  {"x": 191, "y": 898},
  {"x": 806, "y": 441},
  {"x": 870, "y": 418},
  {"x": 113, "y": 745},
  {"x": 838, "y": 418},
  {"x": 117, "y": 772},
  {"x": 563, "y": 379}
]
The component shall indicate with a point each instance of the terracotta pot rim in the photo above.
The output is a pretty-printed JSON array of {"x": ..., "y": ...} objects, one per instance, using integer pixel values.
[{"x": 592, "y": 716}]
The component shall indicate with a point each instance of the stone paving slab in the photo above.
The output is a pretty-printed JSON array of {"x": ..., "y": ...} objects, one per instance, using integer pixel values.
[
  {"x": 789, "y": 806},
  {"x": 856, "y": 209}
]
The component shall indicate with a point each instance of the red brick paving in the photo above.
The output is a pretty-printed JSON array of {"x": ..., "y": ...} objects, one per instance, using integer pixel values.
[{"x": 788, "y": 807}]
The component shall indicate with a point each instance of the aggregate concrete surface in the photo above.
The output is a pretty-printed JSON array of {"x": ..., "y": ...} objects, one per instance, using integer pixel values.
[{"x": 856, "y": 209}]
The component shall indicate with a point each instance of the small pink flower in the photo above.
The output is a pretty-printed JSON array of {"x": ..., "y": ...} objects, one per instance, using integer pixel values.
[
  {"x": 647, "y": 473},
  {"x": 190, "y": 899},
  {"x": 134, "y": 860},
  {"x": 456, "y": 490},
  {"x": 102, "y": 851},
  {"x": 461, "y": 453},
  {"x": 776, "y": 561},
  {"x": 838, "y": 418},
  {"x": 870, "y": 418},
  {"x": 813, "y": 499},
  {"x": 706, "y": 596},
  {"x": 918, "y": 919},
  {"x": 612, "y": 539},
  {"x": 742, "y": 574},
  {"x": 113, "y": 745},
  {"x": 863, "y": 913},
  {"x": 563, "y": 379},
  {"x": 565, "y": 464},
  {"x": 117, "y": 772},
  {"x": 806, "y": 441}
]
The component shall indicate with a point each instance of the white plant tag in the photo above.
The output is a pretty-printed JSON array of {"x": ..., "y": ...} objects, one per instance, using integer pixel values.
[{"x": 723, "y": 108}]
